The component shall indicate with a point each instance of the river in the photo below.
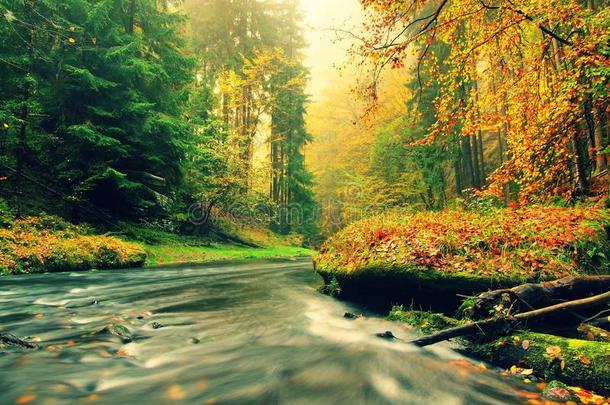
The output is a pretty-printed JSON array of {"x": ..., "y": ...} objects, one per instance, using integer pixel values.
[{"x": 249, "y": 333}]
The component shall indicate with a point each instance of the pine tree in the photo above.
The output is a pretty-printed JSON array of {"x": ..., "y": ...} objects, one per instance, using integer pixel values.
[{"x": 111, "y": 80}]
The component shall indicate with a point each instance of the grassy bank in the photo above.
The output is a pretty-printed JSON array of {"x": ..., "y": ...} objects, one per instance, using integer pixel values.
[
  {"x": 178, "y": 253},
  {"x": 165, "y": 248},
  {"x": 398, "y": 257},
  {"x": 46, "y": 244}
]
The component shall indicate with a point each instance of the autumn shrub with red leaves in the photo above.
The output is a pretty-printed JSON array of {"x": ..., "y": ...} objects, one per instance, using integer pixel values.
[
  {"x": 530, "y": 244},
  {"x": 46, "y": 243}
]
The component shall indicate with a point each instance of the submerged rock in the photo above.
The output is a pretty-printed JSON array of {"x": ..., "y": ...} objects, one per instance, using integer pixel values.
[
  {"x": 386, "y": 335},
  {"x": 117, "y": 330},
  {"x": 11, "y": 341}
]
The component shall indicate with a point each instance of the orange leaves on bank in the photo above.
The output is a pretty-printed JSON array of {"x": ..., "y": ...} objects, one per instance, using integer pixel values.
[{"x": 534, "y": 243}]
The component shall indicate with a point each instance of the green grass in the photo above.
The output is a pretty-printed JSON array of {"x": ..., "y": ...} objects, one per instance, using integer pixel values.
[
  {"x": 46, "y": 243},
  {"x": 177, "y": 253},
  {"x": 165, "y": 248}
]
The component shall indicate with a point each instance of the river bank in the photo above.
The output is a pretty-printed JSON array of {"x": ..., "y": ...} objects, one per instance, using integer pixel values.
[
  {"x": 431, "y": 257},
  {"x": 439, "y": 262},
  {"x": 45, "y": 243}
]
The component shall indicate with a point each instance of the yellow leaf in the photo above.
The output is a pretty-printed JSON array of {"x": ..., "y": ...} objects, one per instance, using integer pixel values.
[
  {"x": 175, "y": 393},
  {"x": 91, "y": 398},
  {"x": 553, "y": 351},
  {"x": 71, "y": 40},
  {"x": 5, "y": 125},
  {"x": 563, "y": 364},
  {"x": 528, "y": 371},
  {"x": 513, "y": 370}
]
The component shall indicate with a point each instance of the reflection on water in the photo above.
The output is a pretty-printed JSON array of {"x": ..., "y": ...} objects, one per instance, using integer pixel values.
[{"x": 234, "y": 334}]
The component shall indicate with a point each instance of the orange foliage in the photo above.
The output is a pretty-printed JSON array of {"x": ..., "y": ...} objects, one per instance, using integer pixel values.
[
  {"x": 45, "y": 243},
  {"x": 528, "y": 244},
  {"x": 527, "y": 69}
]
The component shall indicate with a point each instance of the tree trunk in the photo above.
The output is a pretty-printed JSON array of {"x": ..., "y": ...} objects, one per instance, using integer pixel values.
[
  {"x": 132, "y": 17},
  {"x": 476, "y": 168},
  {"x": 467, "y": 162},
  {"x": 494, "y": 324},
  {"x": 530, "y": 296},
  {"x": 600, "y": 158},
  {"x": 580, "y": 149}
]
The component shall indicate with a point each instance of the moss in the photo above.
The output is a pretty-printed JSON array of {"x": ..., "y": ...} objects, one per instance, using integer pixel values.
[
  {"x": 572, "y": 361},
  {"x": 332, "y": 289},
  {"x": 426, "y": 322}
]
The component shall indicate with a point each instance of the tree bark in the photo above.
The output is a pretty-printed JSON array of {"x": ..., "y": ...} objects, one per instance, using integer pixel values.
[
  {"x": 132, "y": 17},
  {"x": 600, "y": 158}
]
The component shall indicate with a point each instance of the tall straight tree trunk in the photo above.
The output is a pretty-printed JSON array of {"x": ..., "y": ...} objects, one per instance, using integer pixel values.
[
  {"x": 579, "y": 145},
  {"x": 467, "y": 162},
  {"x": 479, "y": 141},
  {"x": 132, "y": 16},
  {"x": 476, "y": 173},
  {"x": 600, "y": 158},
  {"x": 24, "y": 114},
  {"x": 482, "y": 159},
  {"x": 459, "y": 183}
]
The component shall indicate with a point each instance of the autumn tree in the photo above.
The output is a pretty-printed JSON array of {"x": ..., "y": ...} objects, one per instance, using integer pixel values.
[{"x": 536, "y": 72}]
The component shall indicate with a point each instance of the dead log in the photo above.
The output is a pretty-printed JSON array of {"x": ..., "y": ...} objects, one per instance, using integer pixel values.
[
  {"x": 491, "y": 324},
  {"x": 532, "y": 296}
]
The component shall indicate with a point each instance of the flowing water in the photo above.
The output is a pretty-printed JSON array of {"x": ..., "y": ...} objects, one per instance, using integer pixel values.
[{"x": 256, "y": 333}]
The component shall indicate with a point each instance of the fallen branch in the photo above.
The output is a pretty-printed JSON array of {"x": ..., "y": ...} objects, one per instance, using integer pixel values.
[
  {"x": 532, "y": 296},
  {"x": 486, "y": 325}
]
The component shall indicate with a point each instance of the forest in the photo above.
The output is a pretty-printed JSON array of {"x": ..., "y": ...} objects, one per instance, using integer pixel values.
[{"x": 443, "y": 165}]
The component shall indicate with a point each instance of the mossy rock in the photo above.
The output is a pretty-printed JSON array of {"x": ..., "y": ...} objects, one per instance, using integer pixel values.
[
  {"x": 116, "y": 330},
  {"x": 575, "y": 362}
]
